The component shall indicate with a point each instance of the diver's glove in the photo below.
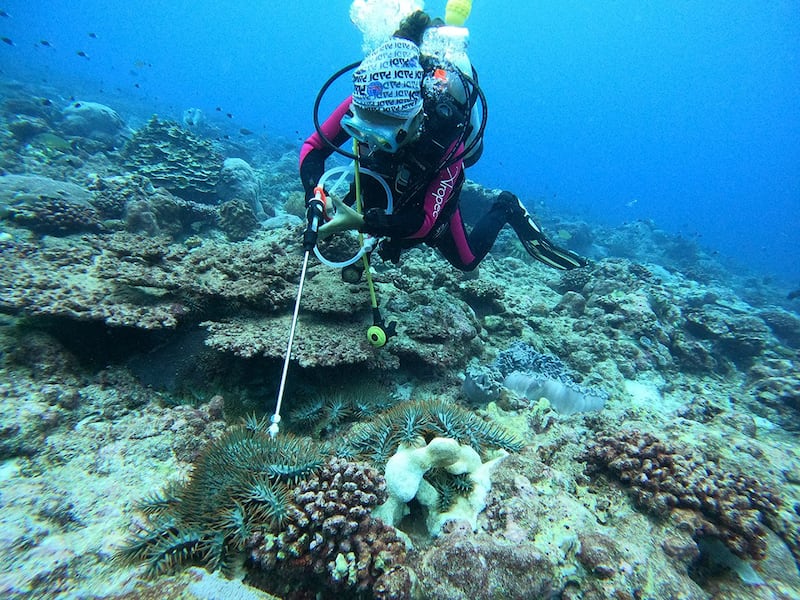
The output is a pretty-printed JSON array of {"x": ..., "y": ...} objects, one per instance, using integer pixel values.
[
  {"x": 533, "y": 239},
  {"x": 345, "y": 219}
]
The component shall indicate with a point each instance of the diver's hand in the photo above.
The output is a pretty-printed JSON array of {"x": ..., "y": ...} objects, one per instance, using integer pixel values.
[{"x": 345, "y": 219}]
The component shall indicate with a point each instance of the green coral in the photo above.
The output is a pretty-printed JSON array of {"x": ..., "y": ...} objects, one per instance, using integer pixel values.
[
  {"x": 239, "y": 483},
  {"x": 174, "y": 158}
]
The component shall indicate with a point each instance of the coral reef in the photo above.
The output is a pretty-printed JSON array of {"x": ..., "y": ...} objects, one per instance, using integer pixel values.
[
  {"x": 784, "y": 324},
  {"x": 176, "y": 159},
  {"x": 150, "y": 283},
  {"x": 774, "y": 384},
  {"x": 731, "y": 507},
  {"x": 101, "y": 343},
  {"x": 55, "y": 216},
  {"x": 94, "y": 121},
  {"x": 146, "y": 209},
  {"x": 332, "y": 543}
]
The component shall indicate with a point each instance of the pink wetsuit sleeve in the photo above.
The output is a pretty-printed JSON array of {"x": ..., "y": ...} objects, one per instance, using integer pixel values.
[
  {"x": 439, "y": 193},
  {"x": 331, "y": 128}
]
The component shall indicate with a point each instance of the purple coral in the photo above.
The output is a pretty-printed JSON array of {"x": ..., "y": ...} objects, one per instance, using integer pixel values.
[
  {"x": 332, "y": 545},
  {"x": 664, "y": 480}
]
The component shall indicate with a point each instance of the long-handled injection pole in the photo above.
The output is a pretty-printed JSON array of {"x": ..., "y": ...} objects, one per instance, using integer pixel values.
[{"x": 314, "y": 213}]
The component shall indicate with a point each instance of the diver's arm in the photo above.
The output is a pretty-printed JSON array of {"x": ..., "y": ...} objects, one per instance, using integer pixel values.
[
  {"x": 314, "y": 150},
  {"x": 378, "y": 223}
]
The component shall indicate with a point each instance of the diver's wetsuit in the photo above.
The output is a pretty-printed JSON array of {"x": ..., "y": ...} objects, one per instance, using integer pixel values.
[{"x": 425, "y": 199}]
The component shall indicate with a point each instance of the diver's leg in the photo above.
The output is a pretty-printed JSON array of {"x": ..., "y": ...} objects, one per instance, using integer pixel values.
[
  {"x": 464, "y": 251},
  {"x": 531, "y": 236}
]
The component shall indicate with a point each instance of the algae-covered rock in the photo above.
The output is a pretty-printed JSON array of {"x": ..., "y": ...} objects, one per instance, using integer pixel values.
[
  {"x": 237, "y": 181},
  {"x": 237, "y": 220},
  {"x": 92, "y": 120}
]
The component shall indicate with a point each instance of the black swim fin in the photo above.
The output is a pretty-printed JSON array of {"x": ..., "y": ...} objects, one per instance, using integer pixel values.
[
  {"x": 546, "y": 252},
  {"x": 534, "y": 240}
]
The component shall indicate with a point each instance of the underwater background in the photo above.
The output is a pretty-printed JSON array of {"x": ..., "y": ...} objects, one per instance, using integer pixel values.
[
  {"x": 685, "y": 113},
  {"x": 625, "y": 430}
]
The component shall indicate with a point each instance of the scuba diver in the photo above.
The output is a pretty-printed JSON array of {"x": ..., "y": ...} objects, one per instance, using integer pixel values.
[{"x": 415, "y": 121}]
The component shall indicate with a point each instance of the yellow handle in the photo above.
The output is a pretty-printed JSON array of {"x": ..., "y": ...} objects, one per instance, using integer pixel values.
[{"x": 457, "y": 11}]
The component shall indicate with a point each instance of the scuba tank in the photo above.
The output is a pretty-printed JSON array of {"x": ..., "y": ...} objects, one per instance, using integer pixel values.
[{"x": 448, "y": 44}]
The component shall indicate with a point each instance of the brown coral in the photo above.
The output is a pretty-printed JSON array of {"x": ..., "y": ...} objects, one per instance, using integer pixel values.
[
  {"x": 237, "y": 220},
  {"x": 729, "y": 506},
  {"x": 56, "y": 216},
  {"x": 332, "y": 544}
]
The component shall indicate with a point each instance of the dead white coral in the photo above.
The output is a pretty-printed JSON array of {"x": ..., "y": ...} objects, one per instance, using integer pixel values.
[{"x": 405, "y": 472}]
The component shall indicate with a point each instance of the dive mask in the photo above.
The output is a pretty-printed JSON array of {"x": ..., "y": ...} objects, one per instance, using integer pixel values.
[{"x": 378, "y": 131}]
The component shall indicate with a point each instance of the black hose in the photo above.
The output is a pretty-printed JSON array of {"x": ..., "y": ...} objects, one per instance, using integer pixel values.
[{"x": 318, "y": 101}]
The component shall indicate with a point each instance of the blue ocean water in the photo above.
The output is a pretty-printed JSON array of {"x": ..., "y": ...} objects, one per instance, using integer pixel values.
[{"x": 685, "y": 113}]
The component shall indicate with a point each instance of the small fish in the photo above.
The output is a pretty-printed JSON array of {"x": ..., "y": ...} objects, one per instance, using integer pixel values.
[
  {"x": 793, "y": 295},
  {"x": 136, "y": 85},
  {"x": 4, "y": 14},
  {"x": 218, "y": 109},
  {"x": 93, "y": 35},
  {"x": 82, "y": 54},
  {"x": 8, "y": 41},
  {"x": 46, "y": 102},
  {"x": 45, "y": 43},
  {"x": 245, "y": 131},
  {"x": 229, "y": 115}
]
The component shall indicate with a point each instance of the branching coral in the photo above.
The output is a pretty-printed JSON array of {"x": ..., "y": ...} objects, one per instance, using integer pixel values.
[{"x": 729, "y": 506}]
